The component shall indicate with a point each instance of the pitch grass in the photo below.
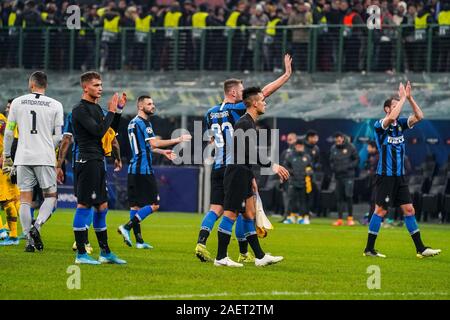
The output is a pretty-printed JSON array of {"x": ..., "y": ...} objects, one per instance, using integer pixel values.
[{"x": 321, "y": 262}]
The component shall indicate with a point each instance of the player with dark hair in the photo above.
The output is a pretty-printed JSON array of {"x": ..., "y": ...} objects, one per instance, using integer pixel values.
[
  {"x": 143, "y": 193},
  {"x": 220, "y": 120},
  {"x": 39, "y": 120},
  {"x": 89, "y": 126},
  {"x": 391, "y": 188},
  {"x": 240, "y": 184}
]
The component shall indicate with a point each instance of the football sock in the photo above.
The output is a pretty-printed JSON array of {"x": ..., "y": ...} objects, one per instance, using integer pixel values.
[
  {"x": 252, "y": 238},
  {"x": 1, "y": 223},
  {"x": 207, "y": 225},
  {"x": 374, "y": 228},
  {"x": 411, "y": 225},
  {"x": 99, "y": 223},
  {"x": 45, "y": 211},
  {"x": 137, "y": 233},
  {"x": 240, "y": 235},
  {"x": 80, "y": 223},
  {"x": 224, "y": 235},
  {"x": 11, "y": 219},
  {"x": 25, "y": 218}
]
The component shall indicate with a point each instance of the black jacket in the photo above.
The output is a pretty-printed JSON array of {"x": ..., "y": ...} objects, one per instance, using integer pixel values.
[
  {"x": 344, "y": 160},
  {"x": 297, "y": 164}
]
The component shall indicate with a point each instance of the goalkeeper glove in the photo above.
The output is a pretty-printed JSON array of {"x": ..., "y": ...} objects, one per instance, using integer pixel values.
[{"x": 8, "y": 165}]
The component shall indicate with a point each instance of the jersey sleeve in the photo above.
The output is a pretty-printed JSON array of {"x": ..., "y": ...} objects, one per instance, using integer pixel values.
[
  {"x": 239, "y": 108},
  {"x": 379, "y": 126},
  {"x": 59, "y": 120},
  {"x": 12, "y": 117},
  {"x": 403, "y": 122},
  {"x": 68, "y": 128},
  {"x": 148, "y": 132}
]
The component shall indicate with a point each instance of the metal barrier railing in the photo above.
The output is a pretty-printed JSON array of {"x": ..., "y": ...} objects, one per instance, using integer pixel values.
[{"x": 316, "y": 48}]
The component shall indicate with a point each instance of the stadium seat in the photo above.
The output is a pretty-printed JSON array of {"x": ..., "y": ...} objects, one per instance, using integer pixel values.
[{"x": 432, "y": 201}]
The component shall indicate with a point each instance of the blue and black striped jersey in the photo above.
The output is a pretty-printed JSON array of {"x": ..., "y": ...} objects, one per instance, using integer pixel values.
[
  {"x": 140, "y": 131},
  {"x": 221, "y": 120},
  {"x": 391, "y": 146},
  {"x": 68, "y": 130}
]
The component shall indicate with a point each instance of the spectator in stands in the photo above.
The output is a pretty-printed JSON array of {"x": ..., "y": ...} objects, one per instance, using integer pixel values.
[
  {"x": 301, "y": 17},
  {"x": 257, "y": 19},
  {"x": 215, "y": 51},
  {"x": 444, "y": 37},
  {"x": 32, "y": 44},
  {"x": 238, "y": 19},
  {"x": 110, "y": 41},
  {"x": 422, "y": 21},
  {"x": 325, "y": 36},
  {"x": 352, "y": 36},
  {"x": 273, "y": 41},
  {"x": 344, "y": 160}
]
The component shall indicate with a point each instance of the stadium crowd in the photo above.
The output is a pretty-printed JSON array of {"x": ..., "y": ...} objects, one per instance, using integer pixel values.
[{"x": 140, "y": 17}]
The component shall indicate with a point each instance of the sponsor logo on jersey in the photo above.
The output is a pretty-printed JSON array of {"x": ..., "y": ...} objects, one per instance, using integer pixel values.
[{"x": 396, "y": 140}]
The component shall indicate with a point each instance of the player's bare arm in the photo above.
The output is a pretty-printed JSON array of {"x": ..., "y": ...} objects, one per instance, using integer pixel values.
[
  {"x": 63, "y": 148},
  {"x": 116, "y": 155},
  {"x": 393, "y": 115},
  {"x": 278, "y": 83},
  {"x": 158, "y": 143},
  {"x": 418, "y": 114},
  {"x": 169, "y": 154}
]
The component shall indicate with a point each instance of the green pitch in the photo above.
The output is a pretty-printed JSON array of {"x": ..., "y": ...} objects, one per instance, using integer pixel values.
[{"x": 321, "y": 262}]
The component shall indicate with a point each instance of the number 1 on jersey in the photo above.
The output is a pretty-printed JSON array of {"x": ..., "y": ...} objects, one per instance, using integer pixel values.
[{"x": 33, "y": 123}]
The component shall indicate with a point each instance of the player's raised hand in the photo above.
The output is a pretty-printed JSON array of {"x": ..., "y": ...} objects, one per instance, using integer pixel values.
[
  {"x": 59, "y": 175},
  {"x": 169, "y": 154},
  {"x": 288, "y": 64},
  {"x": 401, "y": 91},
  {"x": 408, "y": 90},
  {"x": 185, "y": 138},
  {"x": 122, "y": 101},
  {"x": 281, "y": 172},
  {"x": 113, "y": 102}
]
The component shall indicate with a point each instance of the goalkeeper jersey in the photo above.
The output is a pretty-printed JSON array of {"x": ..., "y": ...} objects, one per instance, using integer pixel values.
[{"x": 36, "y": 116}]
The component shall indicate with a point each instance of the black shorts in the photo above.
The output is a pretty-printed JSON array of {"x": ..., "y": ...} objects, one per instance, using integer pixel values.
[
  {"x": 238, "y": 186},
  {"x": 391, "y": 191},
  {"x": 74, "y": 169},
  {"x": 91, "y": 183},
  {"x": 217, "y": 189},
  {"x": 142, "y": 190}
]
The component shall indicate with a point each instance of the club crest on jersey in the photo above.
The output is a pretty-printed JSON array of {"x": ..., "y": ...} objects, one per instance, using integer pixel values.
[
  {"x": 396, "y": 140},
  {"x": 345, "y": 151},
  {"x": 149, "y": 130}
]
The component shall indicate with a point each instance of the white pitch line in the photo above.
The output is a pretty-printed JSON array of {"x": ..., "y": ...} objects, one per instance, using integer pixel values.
[{"x": 280, "y": 293}]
